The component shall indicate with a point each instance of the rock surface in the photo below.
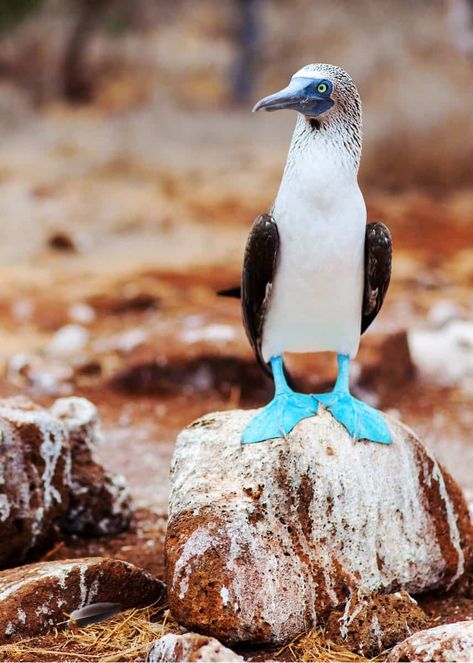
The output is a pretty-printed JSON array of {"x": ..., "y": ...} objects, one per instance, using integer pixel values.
[
  {"x": 35, "y": 476},
  {"x": 190, "y": 647},
  {"x": 375, "y": 624},
  {"x": 38, "y": 597},
  {"x": 48, "y": 476},
  {"x": 264, "y": 538},
  {"x": 100, "y": 503},
  {"x": 450, "y": 642}
]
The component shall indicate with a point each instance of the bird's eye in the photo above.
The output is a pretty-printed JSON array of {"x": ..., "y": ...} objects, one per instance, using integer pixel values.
[{"x": 322, "y": 88}]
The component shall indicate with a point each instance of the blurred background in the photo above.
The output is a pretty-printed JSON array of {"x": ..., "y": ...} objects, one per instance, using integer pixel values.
[{"x": 131, "y": 169}]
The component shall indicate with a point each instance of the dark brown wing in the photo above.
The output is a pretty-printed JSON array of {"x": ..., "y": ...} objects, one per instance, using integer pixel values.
[
  {"x": 259, "y": 266},
  {"x": 378, "y": 258}
]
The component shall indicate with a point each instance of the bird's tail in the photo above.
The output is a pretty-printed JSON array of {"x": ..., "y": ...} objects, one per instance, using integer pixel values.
[{"x": 230, "y": 292}]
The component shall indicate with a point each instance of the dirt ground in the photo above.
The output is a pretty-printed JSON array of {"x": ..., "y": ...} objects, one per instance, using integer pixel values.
[{"x": 120, "y": 220}]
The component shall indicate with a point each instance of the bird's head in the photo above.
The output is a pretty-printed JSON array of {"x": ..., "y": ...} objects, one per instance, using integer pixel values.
[{"x": 317, "y": 91}]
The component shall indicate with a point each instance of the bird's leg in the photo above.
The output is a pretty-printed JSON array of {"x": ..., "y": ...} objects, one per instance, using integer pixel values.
[
  {"x": 361, "y": 421},
  {"x": 279, "y": 417}
]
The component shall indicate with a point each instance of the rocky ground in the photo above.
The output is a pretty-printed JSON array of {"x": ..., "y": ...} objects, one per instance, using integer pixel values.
[{"x": 118, "y": 227}]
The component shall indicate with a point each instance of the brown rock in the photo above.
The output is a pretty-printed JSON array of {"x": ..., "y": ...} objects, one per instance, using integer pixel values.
[
  {"x": 100, "y": 503},
  {"x": 190, "y": 647},
  {"x": 34, "y": 477},
  {"x": 449, "y": 642},
  {"x": 48, "y": 475},
  {"x": 39, "y": 597},
  {"x": 263, "y": 539},
  {"x": 374, "y": 624},
  {"x": 387, "y": 363}
]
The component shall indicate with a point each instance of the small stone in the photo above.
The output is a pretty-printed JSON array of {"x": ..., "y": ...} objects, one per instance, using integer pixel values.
[
  {"x": 372, "y": 625},
  {"x": 81, "y": 313},
  {"x": 190, "y": 647},
  {"x": 449, "y": 642},
  {"x": 38, "y": 597},
  {"x": 62, "y": 241},
  {"x": 68, "y": 340},
  {"x": 263, "y": 539}
]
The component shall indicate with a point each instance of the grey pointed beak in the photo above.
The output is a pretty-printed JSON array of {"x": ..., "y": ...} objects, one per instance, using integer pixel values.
[
  {"x": 290, "y": 97},
  {"x": 300, "y": 95}
]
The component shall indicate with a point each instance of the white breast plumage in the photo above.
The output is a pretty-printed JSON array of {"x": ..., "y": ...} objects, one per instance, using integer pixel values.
[{"x": 317, "y": 292}]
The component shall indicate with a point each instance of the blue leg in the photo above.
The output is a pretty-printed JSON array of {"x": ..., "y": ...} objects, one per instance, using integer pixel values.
[
  {"x": 361, "y": 421},
  {"x": 280, "y": 416}
]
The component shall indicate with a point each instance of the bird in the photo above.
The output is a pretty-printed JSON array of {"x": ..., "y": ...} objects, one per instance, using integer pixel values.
[{"x": 315, "y": 274}]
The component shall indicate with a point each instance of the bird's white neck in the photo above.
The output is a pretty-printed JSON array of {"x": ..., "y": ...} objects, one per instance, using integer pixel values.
[{"x": 322, "y": 164}]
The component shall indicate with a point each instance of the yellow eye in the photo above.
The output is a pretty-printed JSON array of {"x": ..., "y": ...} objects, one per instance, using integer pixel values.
[{"x": 322, "y": 88}]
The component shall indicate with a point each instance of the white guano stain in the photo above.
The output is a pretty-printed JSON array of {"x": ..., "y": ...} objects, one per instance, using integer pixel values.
[
  {"x": 195, "y": 546},
  {"x": 377, "y": 631},
  {"x": 14, "y": 414},
  {"x": 5, "y": 507},
  {"x": 225, "y": 594}
]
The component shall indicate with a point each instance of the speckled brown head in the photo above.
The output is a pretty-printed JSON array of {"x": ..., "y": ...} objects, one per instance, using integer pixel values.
[{"x": 327, "y": 98}]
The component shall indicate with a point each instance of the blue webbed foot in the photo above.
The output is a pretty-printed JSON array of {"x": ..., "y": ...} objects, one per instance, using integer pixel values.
[
  {"x": 362, "y": 421},
  {"x": 279, "y": 417}
]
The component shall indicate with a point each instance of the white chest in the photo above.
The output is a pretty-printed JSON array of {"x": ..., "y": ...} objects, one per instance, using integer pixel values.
[{"x": 317, "y": 294}]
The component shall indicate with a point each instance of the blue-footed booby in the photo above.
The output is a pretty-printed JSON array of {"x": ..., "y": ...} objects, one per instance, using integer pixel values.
[{"x": 315, "y": 274}]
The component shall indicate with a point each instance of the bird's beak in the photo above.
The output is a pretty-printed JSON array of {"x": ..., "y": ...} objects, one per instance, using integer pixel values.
[{"x": 300, "y": 95}]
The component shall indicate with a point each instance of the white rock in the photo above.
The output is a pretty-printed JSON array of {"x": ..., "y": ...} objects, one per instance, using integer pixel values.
[
  {"x": 211, "y": 333},
  {"x": 263, "y": 538},
  {"x": 450, "y": 642},
  {"x": 190, "y": 647},
  {"x": 68, "y": 340},
  {"x": 442, "y": 312},
  {"x": 81, "y": 313},
  {"x": 444, "y": 355}
]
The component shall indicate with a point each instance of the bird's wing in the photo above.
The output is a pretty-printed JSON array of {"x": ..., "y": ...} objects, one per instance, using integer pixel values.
[
  {"x": 259, "y": 266},
  {"x": 378, "y": 258}
]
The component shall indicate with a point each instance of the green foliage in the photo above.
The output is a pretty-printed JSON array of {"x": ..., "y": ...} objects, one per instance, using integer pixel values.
[{"x": 13, "y": 12}]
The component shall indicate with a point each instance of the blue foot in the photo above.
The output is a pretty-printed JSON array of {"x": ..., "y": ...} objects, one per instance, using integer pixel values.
[
  {"x": 279, "y": 417},
  {"x": 361, "y": 421}
]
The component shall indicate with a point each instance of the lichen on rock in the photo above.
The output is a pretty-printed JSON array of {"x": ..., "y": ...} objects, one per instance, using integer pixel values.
[{"x": 263, "y": 539}]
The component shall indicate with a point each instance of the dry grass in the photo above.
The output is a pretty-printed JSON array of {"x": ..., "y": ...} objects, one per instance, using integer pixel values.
[
  {"x": 313, "y": 646},
  {"x": 125, "y": 637},
  {"x": 128, "y": 637}
]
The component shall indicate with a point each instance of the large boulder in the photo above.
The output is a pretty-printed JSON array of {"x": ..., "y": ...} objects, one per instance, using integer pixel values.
[
  {"x": 264, "y": 538},
  {"x": 449, "y": 642},
  {"x": 37, "y": 598},
  {"x": 49, "y": 478}
]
